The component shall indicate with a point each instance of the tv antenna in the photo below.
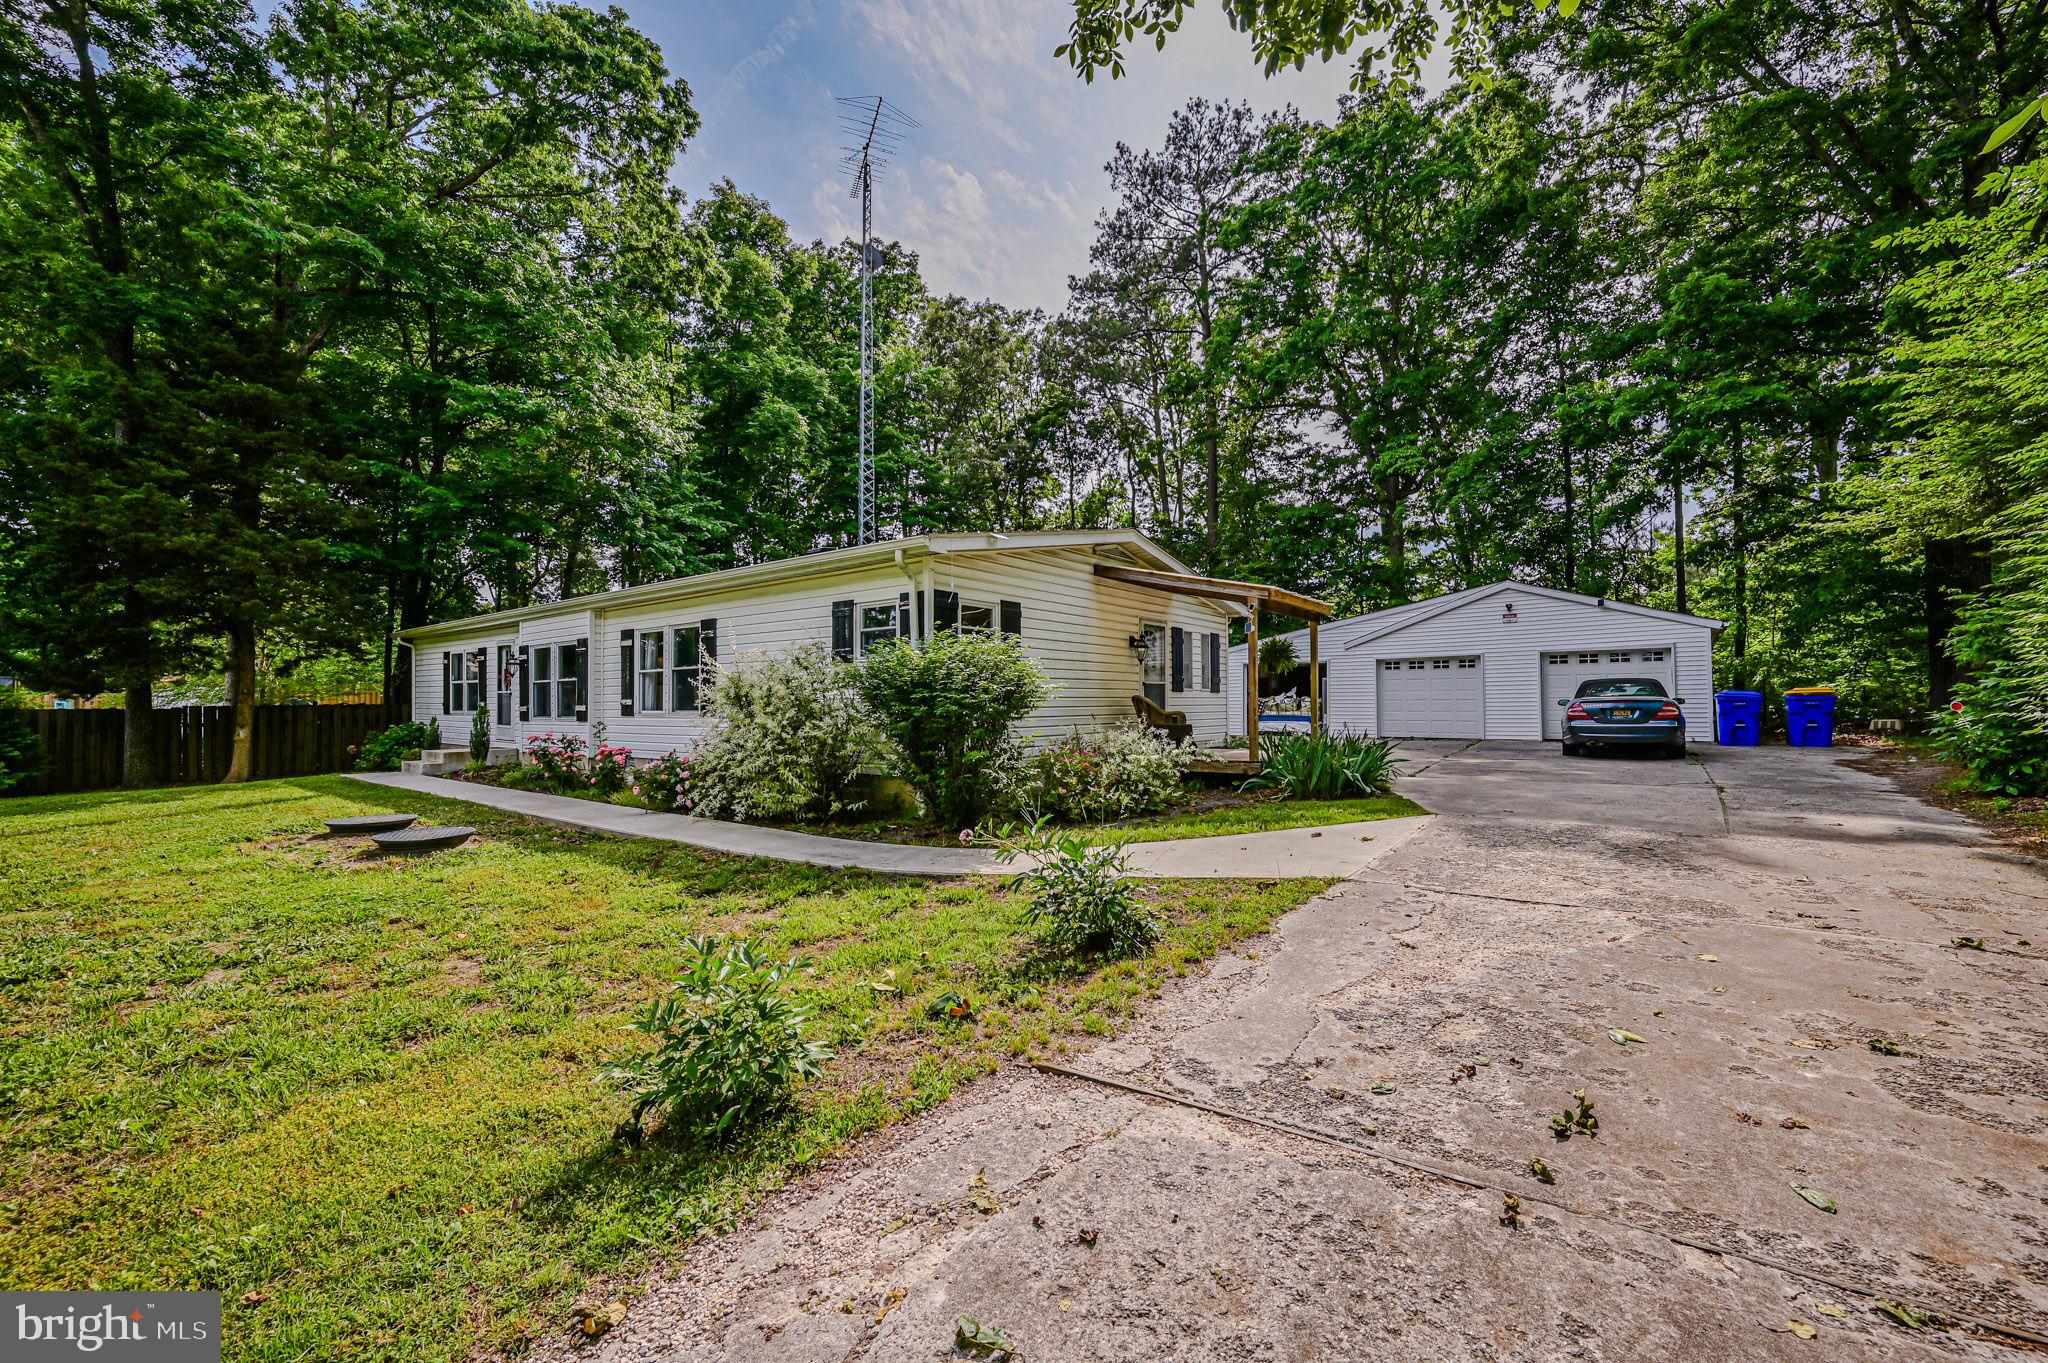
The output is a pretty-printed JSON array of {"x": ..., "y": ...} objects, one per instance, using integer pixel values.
[{"x": 878, "y": 131}]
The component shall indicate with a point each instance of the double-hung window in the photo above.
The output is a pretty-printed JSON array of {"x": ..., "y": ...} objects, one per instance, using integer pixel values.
[
  {"x": 688, "y": 665},
  {"x": 880, "y": 623},
  {"x": 544, "y": 683},
  {"x": 462, "y": 682},
  {"x": 565, "y": 681},
  {"x": 653, "y": 663},
  {"x": 977, "y": 617}
]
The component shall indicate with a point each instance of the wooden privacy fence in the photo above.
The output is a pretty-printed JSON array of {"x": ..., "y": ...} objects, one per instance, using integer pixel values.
[{"x": 195, "y": 743}]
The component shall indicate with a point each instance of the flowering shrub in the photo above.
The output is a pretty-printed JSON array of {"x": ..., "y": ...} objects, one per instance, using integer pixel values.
[
  {"x": 609, "y": 767},
  {"x": 558, "y": 756},
  {"x": 663, "y": 785},
  {"x": 786, "y": 738},
  {"x": 1111, "y": 773}
]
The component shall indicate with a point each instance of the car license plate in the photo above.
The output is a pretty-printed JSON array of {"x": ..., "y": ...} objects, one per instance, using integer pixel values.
[{"x": 1624, "y": 714}]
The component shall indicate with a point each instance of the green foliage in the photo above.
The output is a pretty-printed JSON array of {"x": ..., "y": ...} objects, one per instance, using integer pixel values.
[
  {"x": 559, "y": 758},
  {"x": 1081, "y": 895},
  {"x": 1276, "y": 655},
  {"x": 2000, "y": 744},
  {"x": 729, "y": 1044},
  {"x": 385, "y": 749},
  {"x": 785, "y": 738},
  {"x": 1115, "y": 772},
  {"x": 480, "y": 735},
  {"x": 21, "y": 749},
  {"x": 1325, "y": 766},
  {"x": 946, "y": 707}
]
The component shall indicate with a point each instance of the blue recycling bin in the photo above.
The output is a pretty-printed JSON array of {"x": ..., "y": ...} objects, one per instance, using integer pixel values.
[
  {"x": 1738, "y": 718},
  {"x": 1810, "y": 719}
]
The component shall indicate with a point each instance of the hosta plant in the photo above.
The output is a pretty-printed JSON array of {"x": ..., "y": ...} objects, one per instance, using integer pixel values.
[{"x": 729, "y": 1043}]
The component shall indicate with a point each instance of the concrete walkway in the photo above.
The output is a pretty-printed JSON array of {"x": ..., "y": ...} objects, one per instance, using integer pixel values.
[{"x": 1337, "y": 850}]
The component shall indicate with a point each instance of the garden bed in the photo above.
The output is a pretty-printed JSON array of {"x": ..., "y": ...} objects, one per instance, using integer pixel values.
[
  {"x": 358, "y": 1095},
  {"x": 1209, "y": 813}
]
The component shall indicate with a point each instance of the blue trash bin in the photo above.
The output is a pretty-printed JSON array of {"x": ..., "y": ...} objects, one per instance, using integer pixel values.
[
  {"x": 1738, "y": 718},
  {"x": 1810, "y": 719}
]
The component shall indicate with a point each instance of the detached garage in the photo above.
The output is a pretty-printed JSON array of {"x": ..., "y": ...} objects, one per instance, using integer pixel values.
[{"x": 1492, "y": 662}]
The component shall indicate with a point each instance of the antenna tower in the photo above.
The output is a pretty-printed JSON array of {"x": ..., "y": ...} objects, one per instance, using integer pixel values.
[{"x": 877, "y": 131}]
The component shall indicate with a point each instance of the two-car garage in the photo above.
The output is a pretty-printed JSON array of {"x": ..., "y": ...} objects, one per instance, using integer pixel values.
[{"x": 1493, "y": 661}]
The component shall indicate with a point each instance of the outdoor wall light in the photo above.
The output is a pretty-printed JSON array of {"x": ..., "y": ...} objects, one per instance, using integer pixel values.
[
  {"x": 1508, "y": 616},
  {"x": 1137, "y": 643}
]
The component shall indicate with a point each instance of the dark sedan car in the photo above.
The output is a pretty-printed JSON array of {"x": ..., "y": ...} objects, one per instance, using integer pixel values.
[{"x": 1623, "y": 712}]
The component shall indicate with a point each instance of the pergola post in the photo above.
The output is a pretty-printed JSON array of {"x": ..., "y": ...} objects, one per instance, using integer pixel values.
[
  {"x": 1315, "y": 682},
  {"x": 1251, "y": 677}
]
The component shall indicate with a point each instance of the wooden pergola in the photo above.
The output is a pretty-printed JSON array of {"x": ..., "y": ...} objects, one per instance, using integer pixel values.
[{"x": 1252, "y": 596}]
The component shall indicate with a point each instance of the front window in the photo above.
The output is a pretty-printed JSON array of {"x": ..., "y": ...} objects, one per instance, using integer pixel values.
[
  {"x": 878, "y": 625},
  {"x": 689, "y": 658},
  {"x": 653, "y": 662},
  {"x": 977, "y": 618},
  {"x": 543, "y": 683},
  {"x": 462, "y": 682},
  {"x": 565, "y": 681}
]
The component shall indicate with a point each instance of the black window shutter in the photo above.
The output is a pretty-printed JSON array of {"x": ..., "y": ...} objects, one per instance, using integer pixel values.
[
  {"x": 920, "y": 614},
  {"x": 946, "y": 610},
  {"x": 582, "y": 680},
  {"x": 626, "y": 673},
  {"x": 1180, "y": 659},
  {"x": 842, "y": 631},
  {"x": 447, "y": 683},
  {"x": 707, "y": 639},
  {"x": 1215, "y": 662},
  {"x": 1012, "y": 614},
  {"x": 525, "y": 682},
  {"x": 903, "y": 613}
]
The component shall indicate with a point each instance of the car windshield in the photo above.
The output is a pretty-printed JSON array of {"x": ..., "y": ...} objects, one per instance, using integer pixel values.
[{"x": 1621, "y": 686}]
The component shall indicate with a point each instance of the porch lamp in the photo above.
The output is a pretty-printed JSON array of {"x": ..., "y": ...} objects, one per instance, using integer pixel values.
[
  {"x": 1508, "y": 616},
  {"x": 1137, "y": 642}
]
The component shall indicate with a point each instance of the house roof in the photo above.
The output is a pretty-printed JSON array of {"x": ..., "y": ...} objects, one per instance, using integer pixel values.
[
  {"x": 1360, "y": 629},
  {"x": 1122, "y": 544}
]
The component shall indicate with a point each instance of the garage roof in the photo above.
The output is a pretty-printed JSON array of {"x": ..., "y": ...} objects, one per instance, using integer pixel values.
[{"x": 1400, "y": 617}]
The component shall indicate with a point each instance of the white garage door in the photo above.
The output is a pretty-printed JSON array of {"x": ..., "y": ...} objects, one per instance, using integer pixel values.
[
  {"x": 1432, "y": 698},
  {"x": 1562, "y": 673}
]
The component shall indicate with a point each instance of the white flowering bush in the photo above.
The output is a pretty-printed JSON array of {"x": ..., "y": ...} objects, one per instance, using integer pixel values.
[
  {"x": 1113, "y": 772},
  {"x": 787, "y": 736}
]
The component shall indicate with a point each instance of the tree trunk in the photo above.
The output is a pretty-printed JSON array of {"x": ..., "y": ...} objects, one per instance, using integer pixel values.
[
  {"x": 1678, "y": 539},
  {"x": 138, "y": 750},
  {"x": 242, "y": 663},
  {"x": 1738, "y": 488}
]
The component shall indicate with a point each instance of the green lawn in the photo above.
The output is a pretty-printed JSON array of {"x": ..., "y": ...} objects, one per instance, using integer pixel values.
[{"x": 356, "y": 1096}]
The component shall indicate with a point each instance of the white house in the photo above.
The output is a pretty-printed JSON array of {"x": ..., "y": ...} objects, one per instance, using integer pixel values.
[
  {"x": 1106, "y": 613},
  {"x": 1492, "y": 662}
]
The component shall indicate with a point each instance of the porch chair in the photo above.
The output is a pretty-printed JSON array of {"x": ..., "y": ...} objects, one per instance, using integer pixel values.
[{"x": 1173, "y": 723}]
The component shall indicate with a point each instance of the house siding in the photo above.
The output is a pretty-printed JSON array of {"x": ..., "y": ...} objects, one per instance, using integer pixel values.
[
  {"x": 1076, "y": 626},
  {"x": 1511, "y": 656}
]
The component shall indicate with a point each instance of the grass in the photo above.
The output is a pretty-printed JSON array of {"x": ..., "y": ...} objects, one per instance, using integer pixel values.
[{"x": 356, "y": 1095}]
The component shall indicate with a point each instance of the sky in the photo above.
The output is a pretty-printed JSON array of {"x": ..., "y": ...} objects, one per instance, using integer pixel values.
[{"x": 998, "y": 191}]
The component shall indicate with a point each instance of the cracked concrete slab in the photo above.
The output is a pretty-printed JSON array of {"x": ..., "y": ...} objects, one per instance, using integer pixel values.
[{"x": 1439, "y": 1007}]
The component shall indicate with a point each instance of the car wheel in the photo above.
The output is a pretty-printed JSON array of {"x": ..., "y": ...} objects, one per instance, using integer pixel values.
[
  {"x": 1570, "y": 749},
  {"x": 1676, "y": 750}
]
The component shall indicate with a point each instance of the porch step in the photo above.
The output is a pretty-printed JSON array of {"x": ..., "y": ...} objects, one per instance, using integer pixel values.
[{"x": 441, "y": 761}]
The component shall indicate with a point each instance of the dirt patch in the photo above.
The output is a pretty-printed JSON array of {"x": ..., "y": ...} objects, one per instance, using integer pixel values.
[{"x": 2021, "y": 825}]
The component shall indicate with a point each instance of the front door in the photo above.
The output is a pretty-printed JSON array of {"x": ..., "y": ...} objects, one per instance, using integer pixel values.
[
  {"x": 1154, "y": 663},
  {"x": 504, "y": 698}
]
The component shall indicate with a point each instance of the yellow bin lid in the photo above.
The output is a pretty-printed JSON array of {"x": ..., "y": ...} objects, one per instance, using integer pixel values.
[{"x": 1809, "y": 691}]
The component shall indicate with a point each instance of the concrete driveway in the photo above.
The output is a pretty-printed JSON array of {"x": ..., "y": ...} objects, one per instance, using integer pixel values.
[{"x": 1757, "y": 916}]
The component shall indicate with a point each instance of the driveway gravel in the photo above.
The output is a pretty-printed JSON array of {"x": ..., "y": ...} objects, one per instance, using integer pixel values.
[{"x": 1758, "y": 917}]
